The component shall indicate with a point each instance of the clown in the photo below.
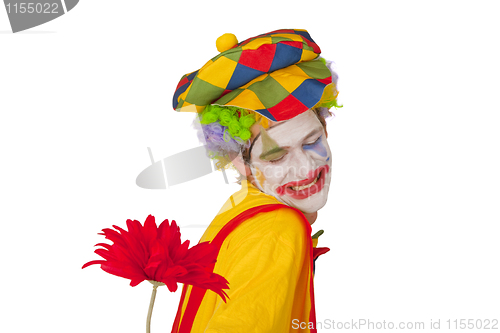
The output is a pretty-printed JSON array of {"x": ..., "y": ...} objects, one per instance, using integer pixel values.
[{"x": 262, "y": 106}]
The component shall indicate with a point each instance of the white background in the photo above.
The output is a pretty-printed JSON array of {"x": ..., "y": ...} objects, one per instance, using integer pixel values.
[{"x": 413, "y": 213}]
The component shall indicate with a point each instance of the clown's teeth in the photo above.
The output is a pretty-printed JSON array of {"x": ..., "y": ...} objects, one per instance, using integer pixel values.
[{"x": 298, "y": 188}]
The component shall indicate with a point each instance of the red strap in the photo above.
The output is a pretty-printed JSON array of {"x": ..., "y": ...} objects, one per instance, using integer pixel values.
[
  {"x": 197, "y": 294},
  {"x": 175, "y": 327}
]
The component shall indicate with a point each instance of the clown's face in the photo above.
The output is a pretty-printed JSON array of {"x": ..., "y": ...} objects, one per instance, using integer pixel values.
[{"x": 291, "y": 161}]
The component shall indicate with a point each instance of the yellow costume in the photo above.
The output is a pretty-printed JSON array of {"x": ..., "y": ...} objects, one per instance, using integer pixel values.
[{"x": 268, "y": 262}]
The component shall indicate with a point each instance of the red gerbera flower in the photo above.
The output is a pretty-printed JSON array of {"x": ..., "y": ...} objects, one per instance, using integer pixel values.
[{"x": 156, "y": 253}]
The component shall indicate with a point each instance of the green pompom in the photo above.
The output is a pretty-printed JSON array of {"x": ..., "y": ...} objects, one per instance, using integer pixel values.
[
  {"x": 244, "y": 134},
  {"x": 225, "y": 117},
  {"x": 234, "y": 127},
  {"x": 236, "y": 120},
  {"x": 247, "y": 121},
  {"x": 213, "y": 108},
  {"x": 209, "y": 117},
  {"x": 336, "y": 105}
]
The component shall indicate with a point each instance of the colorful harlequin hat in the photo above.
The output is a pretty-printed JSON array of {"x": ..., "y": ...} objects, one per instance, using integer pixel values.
[{"x": 278, "y": 75}]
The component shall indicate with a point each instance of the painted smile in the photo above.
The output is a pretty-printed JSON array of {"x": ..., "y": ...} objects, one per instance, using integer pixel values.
[{"x": 305, "y": 188}]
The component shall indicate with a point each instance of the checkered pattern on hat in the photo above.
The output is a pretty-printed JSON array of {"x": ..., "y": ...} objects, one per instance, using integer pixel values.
[{"x": 274, "y": 74}]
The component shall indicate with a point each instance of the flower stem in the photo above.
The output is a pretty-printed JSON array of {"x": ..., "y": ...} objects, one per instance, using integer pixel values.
[{"x": 150, "y": 311}]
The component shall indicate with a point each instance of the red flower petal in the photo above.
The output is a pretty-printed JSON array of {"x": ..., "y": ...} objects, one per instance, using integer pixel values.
[
  {"x": 317, "y": 251},
  {"x": 148, "y": 252},
  {"x": 93, "y": 262},
  {"x": 150, "y": 230}
]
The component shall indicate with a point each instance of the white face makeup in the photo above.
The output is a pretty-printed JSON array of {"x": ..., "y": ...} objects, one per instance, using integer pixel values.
[{"x": 292, "y": 160}]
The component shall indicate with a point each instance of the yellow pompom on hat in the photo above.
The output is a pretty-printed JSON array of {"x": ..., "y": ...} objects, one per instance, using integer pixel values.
[{"x": 226, "y": 42}]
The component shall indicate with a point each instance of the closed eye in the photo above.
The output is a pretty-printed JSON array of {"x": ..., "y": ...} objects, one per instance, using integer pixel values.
[
  {"x": 276, "y": 156},
  {"x": 277, "y": 159},
  {"x": 313, "y": 143},
  {"x": 273, "y": 155}
]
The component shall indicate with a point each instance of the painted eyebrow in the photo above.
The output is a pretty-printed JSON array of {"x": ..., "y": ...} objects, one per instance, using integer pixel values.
[
  {"x": 275, "y": 151},
  {"x": 257, "y": 136}
]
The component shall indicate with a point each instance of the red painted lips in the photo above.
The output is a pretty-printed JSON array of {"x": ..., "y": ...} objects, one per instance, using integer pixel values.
[{"x": 307, "y": 192}]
